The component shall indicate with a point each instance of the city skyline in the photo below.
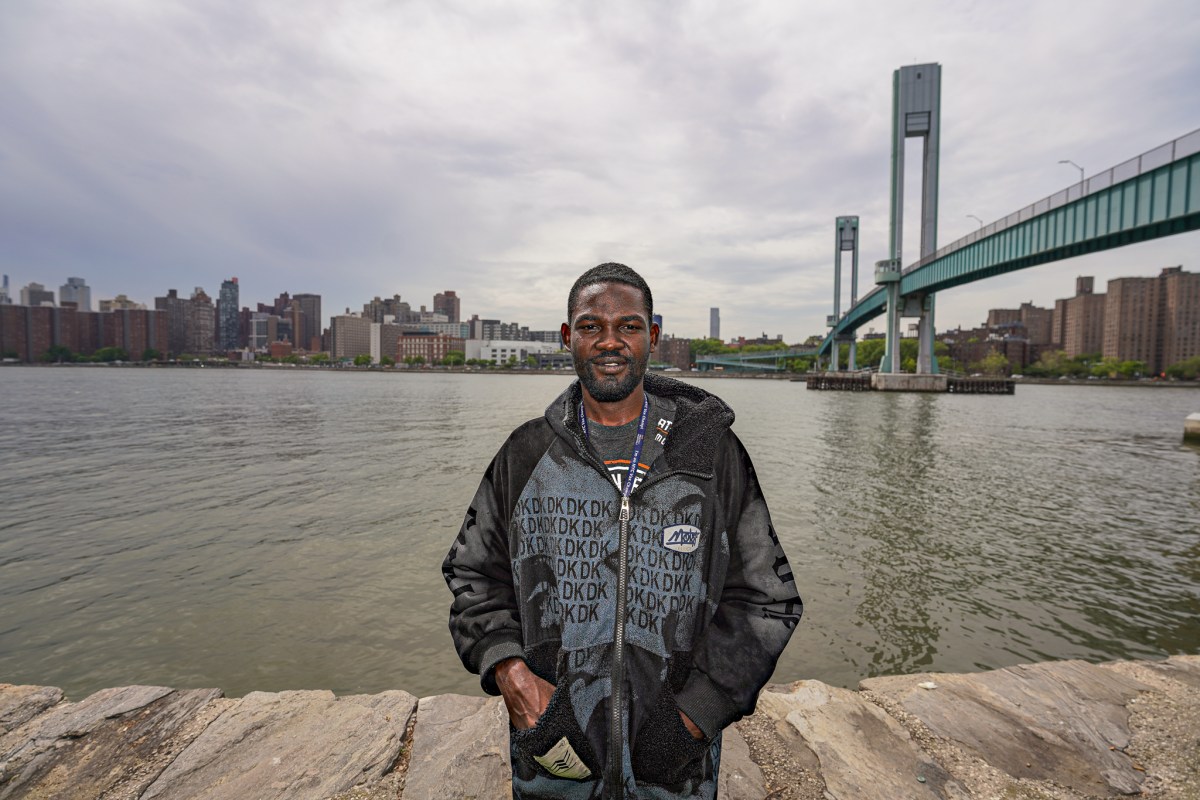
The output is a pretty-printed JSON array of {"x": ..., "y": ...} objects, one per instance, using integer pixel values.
[
  {"x": 308, "y": 302},
  {"x": 710, "y": 148}
]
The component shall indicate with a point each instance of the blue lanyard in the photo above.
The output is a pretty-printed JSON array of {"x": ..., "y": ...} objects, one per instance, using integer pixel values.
[{"x": 637, "y": 442}]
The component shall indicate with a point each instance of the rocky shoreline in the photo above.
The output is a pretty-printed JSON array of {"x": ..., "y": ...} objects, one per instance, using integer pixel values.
[{"x": 1054, "y": 731}]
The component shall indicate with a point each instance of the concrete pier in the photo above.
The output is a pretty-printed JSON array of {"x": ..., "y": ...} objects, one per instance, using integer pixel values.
[
  {"x": 909, "y": 382},
  {"x": 1060, "y": 730}
]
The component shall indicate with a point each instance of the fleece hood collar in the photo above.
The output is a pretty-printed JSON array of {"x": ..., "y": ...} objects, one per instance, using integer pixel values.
[{"x": 701, "y": 419}]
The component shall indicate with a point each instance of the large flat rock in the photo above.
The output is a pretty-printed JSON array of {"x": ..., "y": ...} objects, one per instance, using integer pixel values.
[
  {"x": 1185, "y": 669},
  {"x": 863, "y": 753},
  {"x": 296, "y": 745},
  {"x": 19, "y": 704},
  {"x": 1063, "y": 721},
  {"x": 112, "y": 744},
  {"x": 740, "y": 778},
  {"x": 460, "y": 750}
]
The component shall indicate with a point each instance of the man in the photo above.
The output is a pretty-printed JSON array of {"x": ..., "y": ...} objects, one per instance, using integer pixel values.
[{"x": 617, "y": 578}]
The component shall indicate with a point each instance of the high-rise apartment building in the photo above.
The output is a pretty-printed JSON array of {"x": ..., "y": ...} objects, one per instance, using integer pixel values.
[
  {"x": 1153, "y": 320},
  {"x": 1131, "y": 321},
  {"x": 201, "y": 324},
  {"x": 676, "y": 352},
  {"x": 384, "y": 336},
  {"x": 5, "y": 297},
  {"x": 264, "y": 330},
  {"x": 310, "y": 337},
  {"x": 1039, "y": 324},
  {"x": 227, "y": 316},
  {"x": 294, "y": 316},
  {"x": 178, "y": 312},
  {"x": 1029, "y": 322},
  {"x": 135, "y": 330},
  {"x": 76, "y": 291},
  {"x": 379, "y": 310},
  {"x": 1001, "y": 317},
  {"x": 27, "y": 332},
  {"x": 374, "y": 310},
  {"x": 714, "y": 323},
  {"x": 349, "y": 336},
  {"x": 447, "y": 303},
  {"x": 493, "y": 330},
  {"x": 1181, "y": 316},
  {"x": 1078, "y": 322},
  {"x": 34, "y": 294}
]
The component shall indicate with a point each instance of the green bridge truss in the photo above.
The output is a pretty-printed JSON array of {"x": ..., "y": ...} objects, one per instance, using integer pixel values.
[
  {"x": 1153, "y": 195},
  {"x": 768, "y": 360}
]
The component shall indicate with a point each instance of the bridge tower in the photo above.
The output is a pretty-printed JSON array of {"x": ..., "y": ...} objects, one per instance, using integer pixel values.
[
  {"x": 845, "y": 237},
  {"x": 916, "y": 111}
]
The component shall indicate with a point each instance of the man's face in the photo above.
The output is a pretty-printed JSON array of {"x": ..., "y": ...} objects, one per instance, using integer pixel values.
[{"x": 610, "y": 339}]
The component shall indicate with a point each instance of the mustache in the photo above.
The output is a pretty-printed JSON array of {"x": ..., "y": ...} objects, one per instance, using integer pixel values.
[{"x": 612, "y": 355}]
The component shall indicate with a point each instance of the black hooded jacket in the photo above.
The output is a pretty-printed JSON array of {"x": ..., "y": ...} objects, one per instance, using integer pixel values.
[{"x": 709, "y": 603}]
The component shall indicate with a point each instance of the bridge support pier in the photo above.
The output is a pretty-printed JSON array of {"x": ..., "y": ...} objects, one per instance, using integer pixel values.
[
  {"x": 926, "y": 360},
  {"x": 922, "y": 306},
  {"x": 887, "y": 273},
  {"x": 845, "y": 237},
  {"x": 916, "y": 112}
]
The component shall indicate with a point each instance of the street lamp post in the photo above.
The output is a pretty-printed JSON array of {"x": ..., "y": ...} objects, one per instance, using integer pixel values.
[
  {"x": 977, "y": 219},
  {"x": 1076, "y": 166}
]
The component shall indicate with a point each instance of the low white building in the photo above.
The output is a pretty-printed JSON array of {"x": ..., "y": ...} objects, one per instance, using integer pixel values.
[{"x": 499, "y": 351}]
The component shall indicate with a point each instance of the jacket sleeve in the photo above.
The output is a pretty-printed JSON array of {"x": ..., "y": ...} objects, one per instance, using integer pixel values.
[
  {"x": 757, "y": 607},
  {"x": 485, "y": 621}
]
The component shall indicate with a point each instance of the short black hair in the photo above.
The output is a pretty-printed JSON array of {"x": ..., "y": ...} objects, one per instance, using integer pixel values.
[{"x": 610, "y": 272}]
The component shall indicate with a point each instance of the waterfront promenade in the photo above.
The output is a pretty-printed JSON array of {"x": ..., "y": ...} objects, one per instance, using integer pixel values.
[{"x": 1065, "y": 729}]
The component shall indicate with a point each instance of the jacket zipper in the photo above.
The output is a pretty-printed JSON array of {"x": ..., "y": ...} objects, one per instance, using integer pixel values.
[{"x": 616, "y": 738}]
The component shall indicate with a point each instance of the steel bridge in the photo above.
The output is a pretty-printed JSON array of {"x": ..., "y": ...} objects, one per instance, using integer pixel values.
[
  {"x": 767, "y": 360},
  {"x": 1153, "y": 195}
]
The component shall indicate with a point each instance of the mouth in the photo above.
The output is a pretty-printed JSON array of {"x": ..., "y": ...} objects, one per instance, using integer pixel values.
[{"x": 610, "y": 365}]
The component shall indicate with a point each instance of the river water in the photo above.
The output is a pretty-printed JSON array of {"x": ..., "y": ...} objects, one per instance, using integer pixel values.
[{"x": 280, "y": 529}]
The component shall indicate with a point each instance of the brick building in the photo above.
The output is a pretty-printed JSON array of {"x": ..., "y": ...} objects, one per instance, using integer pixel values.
[
  {"x": 433, "y": 347},
  {"x": 1153, "y": 320},
  {"x": 349, "y": 336},
  {"x": 1036, "y": 324},
  {"x": 1078, "y": 326},
  {"x": 201, "y": 324},
  {"x": 28, "y": 332},
  {"x": 676, "y": 352},
  {"x": 177, "y": 310},
  {"x": 447, "y": 303}
]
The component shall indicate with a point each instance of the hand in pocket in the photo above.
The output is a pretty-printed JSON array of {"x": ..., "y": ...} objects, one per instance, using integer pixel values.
[{"x": 525, "y": 695}]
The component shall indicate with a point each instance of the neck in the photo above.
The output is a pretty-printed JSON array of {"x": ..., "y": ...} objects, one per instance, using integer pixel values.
[{"x": 618, "y": 412}]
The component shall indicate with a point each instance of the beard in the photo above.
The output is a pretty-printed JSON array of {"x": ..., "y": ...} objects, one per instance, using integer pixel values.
[{"x": 610, "y": 388}]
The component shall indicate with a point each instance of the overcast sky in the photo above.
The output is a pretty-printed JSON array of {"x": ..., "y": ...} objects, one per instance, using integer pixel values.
[{"x": 499, "y": 149}]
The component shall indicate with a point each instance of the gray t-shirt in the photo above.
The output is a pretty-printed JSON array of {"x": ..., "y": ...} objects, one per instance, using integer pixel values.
[{"x": 614, "y": 443}]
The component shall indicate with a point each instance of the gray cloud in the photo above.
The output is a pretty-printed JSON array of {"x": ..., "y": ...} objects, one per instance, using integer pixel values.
[{"x": 380, "y": 148}]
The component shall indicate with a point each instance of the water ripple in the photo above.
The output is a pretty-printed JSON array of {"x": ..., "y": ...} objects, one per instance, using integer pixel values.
[{"x": 272, "y": 530}]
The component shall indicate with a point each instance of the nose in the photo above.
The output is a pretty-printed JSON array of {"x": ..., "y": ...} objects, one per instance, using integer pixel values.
[{"x": 608, "y": 339}]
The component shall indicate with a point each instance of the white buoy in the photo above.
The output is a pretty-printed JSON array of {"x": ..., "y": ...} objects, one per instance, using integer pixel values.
[{"x": 1191, "y": 428}]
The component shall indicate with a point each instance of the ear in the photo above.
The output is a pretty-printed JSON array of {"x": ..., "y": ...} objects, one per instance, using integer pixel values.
[
  {"x": 564, "y": 333},
  {"x": 653, "y": 336}
]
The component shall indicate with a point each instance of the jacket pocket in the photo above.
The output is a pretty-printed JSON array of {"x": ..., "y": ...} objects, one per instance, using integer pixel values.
[
  {"x": 555, "y": 746},
  {"x": 665, "y": 751}
]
